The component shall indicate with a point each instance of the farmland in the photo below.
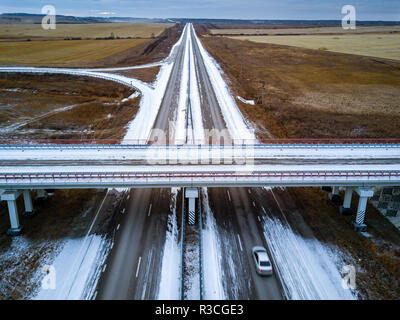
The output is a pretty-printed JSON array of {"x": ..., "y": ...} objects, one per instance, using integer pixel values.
[
  {"x": 281, "y": 30},
  {"x": 84, "y": 31},
  {"x": 385, "y": 46},
  {"x": 49, "y": 52},
  {"x": 311, "y": 93}
]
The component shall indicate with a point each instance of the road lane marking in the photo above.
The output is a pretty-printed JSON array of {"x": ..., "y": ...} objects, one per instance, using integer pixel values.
[
  {"x": 229, "y": 195},
  {"x": 95, "y": 295},
  {"x": 258, "y": 217},
  {"x": 104, "y": 268},
  {"x": 123, "y": 211},
  {"x": 240, "y": 243},
  {"x": 128, "y": 196},
  {"x": 118, "y": 226},
  {"x": 249, "y": 191},
  {"x": 138, "y": 266},
  {"x": 263, "y": 209},
  {"x": 254, "y": 204},
  {"x": 148, "y": 214}
]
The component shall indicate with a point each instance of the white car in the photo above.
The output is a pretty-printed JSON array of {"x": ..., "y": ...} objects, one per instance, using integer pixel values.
[{"x": 261, "y": 260}]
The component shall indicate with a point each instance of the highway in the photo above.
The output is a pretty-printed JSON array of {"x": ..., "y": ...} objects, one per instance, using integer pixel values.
[{"x": 134, "y": 264}]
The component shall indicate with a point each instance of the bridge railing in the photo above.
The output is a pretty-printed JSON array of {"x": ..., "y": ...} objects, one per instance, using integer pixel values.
[{"x": 190, "y": 176}]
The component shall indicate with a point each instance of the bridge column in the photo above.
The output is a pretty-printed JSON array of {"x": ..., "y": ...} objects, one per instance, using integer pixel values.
[
  {"x": 29, "y": 212},
  {"x": 364, "y": 194},
  {"x": 334, "y": 195},
  {"x": 345, "y": 209},
  {"x": 41, "y": 194},
  {"x": 11, "y": 198},
  {"x": 192, "y": 194}
]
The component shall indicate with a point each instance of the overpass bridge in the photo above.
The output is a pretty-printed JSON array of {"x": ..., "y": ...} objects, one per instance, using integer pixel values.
[{"x": 356, "y": 166}]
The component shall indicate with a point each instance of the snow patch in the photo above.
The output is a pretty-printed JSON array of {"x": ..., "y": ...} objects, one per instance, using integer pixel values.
[
  {"x": 212, "y": 272},
  {"x": 171, "y": 261},
  {"x": 306, "y": 267},
  {"x": 251, "y": 102}
]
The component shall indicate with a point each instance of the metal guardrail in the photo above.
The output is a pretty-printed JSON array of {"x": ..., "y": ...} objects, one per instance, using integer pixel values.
[
  {"x": 183, "y": 231},
  {"x": 193, "y": 177},
  {"x": 201, "y": 276}
]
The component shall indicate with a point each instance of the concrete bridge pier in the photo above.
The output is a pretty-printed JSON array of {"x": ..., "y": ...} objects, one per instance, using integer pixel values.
[
  {"x": 334, "y": 195},
  {"x": 364, "y": 194},
  {"x": 346, "y": 209},
  {"x": 29, "y": 211},
  {"x": 192, "y": 194},
  {"x": 11, "y": 198}
]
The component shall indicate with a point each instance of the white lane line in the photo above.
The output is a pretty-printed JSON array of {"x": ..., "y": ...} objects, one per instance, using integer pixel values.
[
  {"x": 118, "y": 226},
  {"x": 263, "y": 209},
  {"x": 240, "y": 243},
  {"x": 148, "y": 214},
  {"x": 95, "y": 295},
  {"x": 123, "y": 211},
  {"x": 249, "y": 191},
  {"x": 254, "y": 204},
  {"x": 104, "y": 268},
  {"x": 258, "y": 217},
  {"x": 229, "y": 195},
  {"x": 138, "y": 266},
  {"x": 128, "y": 196}
]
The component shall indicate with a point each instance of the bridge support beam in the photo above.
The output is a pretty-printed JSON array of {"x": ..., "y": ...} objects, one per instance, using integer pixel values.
[
  {"x": 345, "y": 209},
  {"x": 334, "y": 195},
  {"x": 192, "y": 194},
  {"x": 29, "y": 212},
  {"x": 11, "y": 198},
  {"x": 364, "y": 194}
]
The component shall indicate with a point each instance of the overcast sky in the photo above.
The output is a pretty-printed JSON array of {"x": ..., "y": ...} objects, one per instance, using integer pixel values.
[{"x": 230, "y": 9}]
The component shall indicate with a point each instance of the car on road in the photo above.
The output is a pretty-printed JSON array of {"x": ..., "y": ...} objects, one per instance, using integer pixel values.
[{"x": 262, "y": 261}]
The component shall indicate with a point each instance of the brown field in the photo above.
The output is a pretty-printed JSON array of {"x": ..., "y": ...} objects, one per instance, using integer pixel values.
[
  {"x": 279, "y": 30},
  {"x": 84, "y": 31},
  {"x": 88, "y": 53},
  {"x": 312, "y": 93},
  {"x": 94, "y": 108},
  {"x": 386, "y": 46},
  {"x": 57, "y": 52}
]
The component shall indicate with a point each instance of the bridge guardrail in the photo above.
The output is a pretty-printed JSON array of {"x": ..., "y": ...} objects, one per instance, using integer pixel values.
[{"x": 10, "y": 178}]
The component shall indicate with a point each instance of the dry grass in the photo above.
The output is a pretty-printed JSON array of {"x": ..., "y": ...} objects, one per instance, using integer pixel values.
[
  {"x": 97, "y": 108},
  {"x": 92, "y": 31},
  {"x": 311, "y": 93},
  {"x": 50, "y": 52},
  {"x": 386, "y": 46},
  {"x": 303, "y": 31},
  {"x": 145, "y": 74}
]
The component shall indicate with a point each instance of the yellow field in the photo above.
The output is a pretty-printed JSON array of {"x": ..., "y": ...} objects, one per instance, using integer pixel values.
[
  {"x": 48, "y": 52},
  {"x": 297, "y": 31},
  {"x": 95, "y": 30},
  {"x": 375, "y": 45}
]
